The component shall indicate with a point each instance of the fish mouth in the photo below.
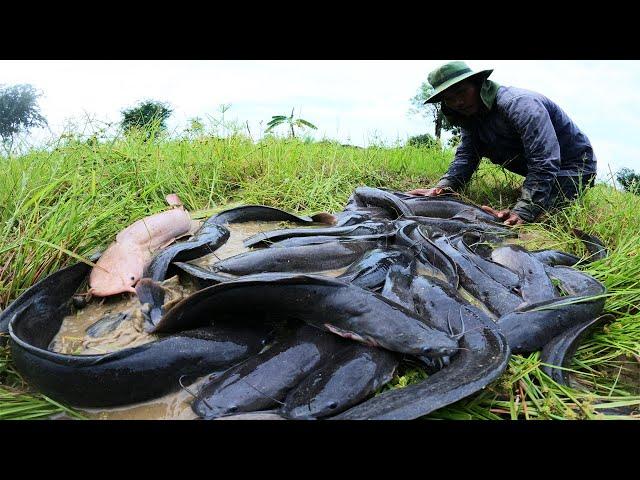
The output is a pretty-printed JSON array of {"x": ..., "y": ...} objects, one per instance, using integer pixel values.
[
  {"x": 106, "y": 292},
  {"x": 440, "y": 351},
  {"x": 209, "y": 412}
]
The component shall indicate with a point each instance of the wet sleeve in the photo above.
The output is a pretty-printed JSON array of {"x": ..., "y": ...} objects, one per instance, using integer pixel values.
[
  {"x": 542, "y": 152},
  {"x": 463, "y": 165}
]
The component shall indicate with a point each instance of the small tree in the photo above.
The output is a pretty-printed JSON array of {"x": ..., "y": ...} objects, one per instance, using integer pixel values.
[
  {"x": 149, "y": 116},
  {"x": 292, "y": 122},
  {"x": 19, "y": 111},
  {"x": 431, "y": 111},
  {"x": 629, "y": 180},
  {"x": 425, "y": 140}
]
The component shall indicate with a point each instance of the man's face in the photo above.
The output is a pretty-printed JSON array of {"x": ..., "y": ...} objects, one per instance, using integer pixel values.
[{"x": 463, "y": 98}]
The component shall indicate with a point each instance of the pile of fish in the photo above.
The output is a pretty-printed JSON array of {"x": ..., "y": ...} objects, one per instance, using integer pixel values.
[{"x": 433, "y": 282}]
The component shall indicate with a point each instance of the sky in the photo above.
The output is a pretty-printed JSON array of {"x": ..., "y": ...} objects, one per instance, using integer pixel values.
[{"x": 354, "y": 101}]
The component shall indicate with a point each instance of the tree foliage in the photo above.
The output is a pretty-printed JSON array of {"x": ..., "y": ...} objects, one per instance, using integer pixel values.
[
  {"x": 292, "y": 122},
  {"x": 425, "y": 140},
  {"x": 629, "y": 180},
  {"x": 431, "y": 111},
  {"x": 19, "y": 111},
  {"x": 148, "y": 115}
]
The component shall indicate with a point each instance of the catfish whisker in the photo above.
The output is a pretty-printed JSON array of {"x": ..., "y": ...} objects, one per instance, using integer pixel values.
[
  {"x": 262, "y": 393},
  {"x": 190, "y": 392}
]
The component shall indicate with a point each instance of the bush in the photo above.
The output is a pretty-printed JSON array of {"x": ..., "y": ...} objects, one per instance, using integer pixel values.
[
  {"x": 629, "y": 180},
  {"x": 149, "y": 116},
  {"x": 425, "y": 140}
]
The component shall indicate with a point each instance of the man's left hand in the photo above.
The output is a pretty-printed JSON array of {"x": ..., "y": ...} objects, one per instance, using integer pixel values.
[{"x": 507, "y": 216}]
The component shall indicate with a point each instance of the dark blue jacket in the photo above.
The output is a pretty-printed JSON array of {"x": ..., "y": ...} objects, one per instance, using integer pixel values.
[{"x": 529, "y": 135}]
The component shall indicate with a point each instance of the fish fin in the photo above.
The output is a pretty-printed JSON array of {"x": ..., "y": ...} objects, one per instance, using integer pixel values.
[{"x": 351, "y": 335}]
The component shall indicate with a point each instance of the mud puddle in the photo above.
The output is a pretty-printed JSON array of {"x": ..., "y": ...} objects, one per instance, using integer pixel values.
[{"x": 112, "y": 323}]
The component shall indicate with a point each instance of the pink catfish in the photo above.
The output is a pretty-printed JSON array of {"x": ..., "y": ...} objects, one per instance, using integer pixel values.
[{"x": 123, "y": 262}]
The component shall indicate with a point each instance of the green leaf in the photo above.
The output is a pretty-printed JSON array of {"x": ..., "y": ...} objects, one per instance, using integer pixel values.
[
  {"x": 273, "y": 123},
  {"x": 304, "y": 122}
]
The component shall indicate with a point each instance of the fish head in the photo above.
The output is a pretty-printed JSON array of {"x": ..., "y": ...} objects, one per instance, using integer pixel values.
[
  {"x": 430, "y": 343},
  {"x": 440, "y": 351},
  {"x": 115, "y": 272},
  {"x": 208, "y": 410}
]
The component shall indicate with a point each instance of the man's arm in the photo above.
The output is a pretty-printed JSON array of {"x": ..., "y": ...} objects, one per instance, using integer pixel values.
[
  {"x": 542, "y": 151},
  {"x": 463, "y": 165}
]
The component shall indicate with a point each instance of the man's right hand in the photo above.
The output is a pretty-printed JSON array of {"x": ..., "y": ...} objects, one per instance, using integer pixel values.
[{"x": 428, "y": 192}]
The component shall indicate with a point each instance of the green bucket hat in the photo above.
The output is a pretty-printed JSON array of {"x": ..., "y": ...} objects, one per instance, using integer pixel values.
[{"x": 448, "y": 75}]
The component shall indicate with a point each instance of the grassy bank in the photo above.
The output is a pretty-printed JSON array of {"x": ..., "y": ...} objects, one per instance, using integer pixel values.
[{"x": 70, "y": 201}]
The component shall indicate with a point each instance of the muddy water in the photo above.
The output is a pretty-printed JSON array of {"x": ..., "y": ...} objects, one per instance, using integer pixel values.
[
  {"x": 72, "y": 338},
  {"x": 174, "y": 406}
]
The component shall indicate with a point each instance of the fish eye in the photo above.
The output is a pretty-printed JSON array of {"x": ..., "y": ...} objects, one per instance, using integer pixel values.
[{"x": 133, "y": 278}]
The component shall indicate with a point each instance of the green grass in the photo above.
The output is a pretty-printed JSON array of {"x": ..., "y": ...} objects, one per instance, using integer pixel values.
[{"x": 76, "y": 197}]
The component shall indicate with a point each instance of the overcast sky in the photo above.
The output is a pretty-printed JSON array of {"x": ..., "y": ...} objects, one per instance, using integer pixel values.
[{"x": 352, "y": 101}]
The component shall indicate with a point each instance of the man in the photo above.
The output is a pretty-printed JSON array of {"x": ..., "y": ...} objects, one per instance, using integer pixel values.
[{"x": 519, "y": 129}]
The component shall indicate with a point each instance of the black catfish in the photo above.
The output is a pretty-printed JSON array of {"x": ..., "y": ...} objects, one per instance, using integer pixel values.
[
  {"x": 106, "y": 324},
  {"x": 410, "y": 236},
  {"x": 326, "y": 303},
  {"x": 531, "y": 328},
  {"x": 483, "y": 356},
  {"x": 352, "y": 217},
  {"x": 501, "y": 274},
  {"x": 264, "y": 239},
  {"x": 594, "y": 245},
  {"x": 49, "y": 293},
  {"x": 445, "y": 208},
  {"x": 305, "y": 258},
  {"x": 457, "y": 226},
  {"x": 263, "y": 380},
  {"x": 535, "y": 284},
  {"x": 381, "y": 238},
  {"x": 397, "y": 285},
  {"x": 400, "y": 287},
  {"x": 574, "y": 282},
  {"x": 555, "y": 257},
  {"x": 478, "y": 283},
  {"x": 347, "y": 378},
  {"x": 559, "y": 351},
  {"x": 375, "y": 197},
  {"x": 257, "y": 213},
  {"x": 370, "y": 271}
]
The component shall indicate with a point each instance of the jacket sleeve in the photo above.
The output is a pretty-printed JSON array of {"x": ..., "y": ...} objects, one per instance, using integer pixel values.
[
  {"x": 542, "y": 152},
  {"x": 463, "y": 165}
]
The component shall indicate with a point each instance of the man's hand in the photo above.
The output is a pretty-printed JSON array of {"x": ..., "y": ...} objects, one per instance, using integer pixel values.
[
  {"x": 428, "y": 192},
  {"x": 507, "y": 216}
]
